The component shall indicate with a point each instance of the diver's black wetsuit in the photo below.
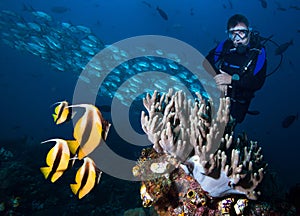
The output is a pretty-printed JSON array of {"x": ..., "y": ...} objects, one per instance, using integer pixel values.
[{"x": 240, "y": 91}]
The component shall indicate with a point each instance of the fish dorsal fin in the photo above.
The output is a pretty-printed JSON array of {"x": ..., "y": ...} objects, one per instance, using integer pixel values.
[{"x": 58, "y": 102}]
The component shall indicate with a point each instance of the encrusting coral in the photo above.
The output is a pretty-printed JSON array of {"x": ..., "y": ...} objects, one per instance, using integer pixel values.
[{"x": 192, "y": 152}]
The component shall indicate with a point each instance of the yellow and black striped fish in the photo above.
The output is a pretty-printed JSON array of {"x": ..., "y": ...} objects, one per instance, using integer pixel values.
[
  {"x": 58, "y": 160},
  {"x": 62, "y": 112},
  {"x": 87, "y": 177},
  {"x": 89, "y": 130}
]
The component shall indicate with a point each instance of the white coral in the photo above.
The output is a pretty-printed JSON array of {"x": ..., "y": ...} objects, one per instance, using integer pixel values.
[{"x": 186, "y": 131}]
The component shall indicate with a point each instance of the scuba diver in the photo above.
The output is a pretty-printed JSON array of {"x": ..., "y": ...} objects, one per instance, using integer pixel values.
[{"x": 239, "y": 66}]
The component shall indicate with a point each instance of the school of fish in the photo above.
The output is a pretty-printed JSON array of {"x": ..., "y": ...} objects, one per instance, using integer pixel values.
[{"x": 69, "y": 47}]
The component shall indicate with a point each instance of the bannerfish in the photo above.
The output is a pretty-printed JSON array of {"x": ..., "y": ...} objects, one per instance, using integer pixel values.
[
  {"x": 162, "y": 13},
  {"x": 58, "y": 160},
  {"x": 289, "y": 120},
  {"x": 89, "y": 130},
  {"x": 87, "y": 177},
  {"x": 62, "y": 112},
  {"x": 283, "y": 47}
]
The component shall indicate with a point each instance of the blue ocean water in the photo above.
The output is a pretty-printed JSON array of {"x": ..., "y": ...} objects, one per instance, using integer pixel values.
[{"x": 29, "y": 85}]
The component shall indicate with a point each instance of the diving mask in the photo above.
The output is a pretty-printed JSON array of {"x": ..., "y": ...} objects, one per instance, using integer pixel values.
[{"x": 235, "y": 34}]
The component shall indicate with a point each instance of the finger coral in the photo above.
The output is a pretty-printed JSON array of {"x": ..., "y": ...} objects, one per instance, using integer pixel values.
[{"x": 189, "y": 142}]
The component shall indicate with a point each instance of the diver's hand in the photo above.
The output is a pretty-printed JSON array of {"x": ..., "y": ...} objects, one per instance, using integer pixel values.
[
  {"x": 223, "y": 78},
  {"x": 223, "y": 88}
]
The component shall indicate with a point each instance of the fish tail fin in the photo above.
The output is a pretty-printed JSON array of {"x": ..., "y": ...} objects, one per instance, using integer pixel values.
[
  {"x": 73, "y": 146},
  {"x": 46, "y": 171},
  {"x": 54, "y": 117}
]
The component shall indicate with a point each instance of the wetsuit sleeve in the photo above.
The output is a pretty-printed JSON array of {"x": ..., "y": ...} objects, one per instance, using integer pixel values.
[
  {"x": 209, "y": 63},
  {"x": 252, "y": 82}
]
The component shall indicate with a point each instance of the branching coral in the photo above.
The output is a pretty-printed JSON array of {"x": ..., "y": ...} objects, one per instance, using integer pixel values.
[{"x": 188, "y": 132}]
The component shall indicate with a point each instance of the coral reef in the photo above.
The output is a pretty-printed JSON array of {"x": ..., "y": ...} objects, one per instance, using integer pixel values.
[
  {"x": 194, "y": 168},
  {"x": 166, "y": 186}
]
